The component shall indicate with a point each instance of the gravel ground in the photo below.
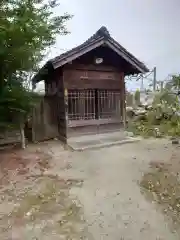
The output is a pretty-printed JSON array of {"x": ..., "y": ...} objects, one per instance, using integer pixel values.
[{"x": 113, "y": 205}]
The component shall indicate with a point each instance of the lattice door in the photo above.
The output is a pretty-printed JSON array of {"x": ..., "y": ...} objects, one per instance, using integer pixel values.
[
  {"x": 109, "y": 104},
  {"x": 81, "y": 104}
]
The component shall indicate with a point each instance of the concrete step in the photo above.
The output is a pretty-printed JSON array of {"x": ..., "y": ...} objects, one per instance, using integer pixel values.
[{"x": 96, "y": 141}]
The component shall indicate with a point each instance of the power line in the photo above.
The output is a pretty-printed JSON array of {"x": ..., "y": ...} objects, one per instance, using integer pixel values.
[{"x": 151, "y": 79}]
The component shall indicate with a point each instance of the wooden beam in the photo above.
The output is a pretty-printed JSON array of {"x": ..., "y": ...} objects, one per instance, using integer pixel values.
[
  {"x": 123, "y": 55},
  {"x": 124, "y": 103},
  {"x": 83, "y": 51}
]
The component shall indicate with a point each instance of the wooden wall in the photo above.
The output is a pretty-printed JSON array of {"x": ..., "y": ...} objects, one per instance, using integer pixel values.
[
  {"x": 81, "y": 76},
  {"x": 10, "y": 137},
  {"x": 61, "y": 107},
  {"x": 44, "y": 120},
  {"x": 54, "y": 87},
  {"x": 94, "y": 129},
  {"x": 90, "y": 76}
]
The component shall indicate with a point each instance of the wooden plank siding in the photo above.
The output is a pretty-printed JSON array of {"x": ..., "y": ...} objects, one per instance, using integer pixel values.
[
  {"x": 80, "y": 76},
  {"x": 83, "y": 76},
  {"x": 61, "y": 111},
  {"x": 54, "y": 88},
  {"x": 86, "y": 77},
  {"x": 96, "y": 91}
]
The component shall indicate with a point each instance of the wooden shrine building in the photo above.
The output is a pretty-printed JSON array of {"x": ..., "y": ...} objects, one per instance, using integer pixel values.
[{"x": 87, "y": 85}]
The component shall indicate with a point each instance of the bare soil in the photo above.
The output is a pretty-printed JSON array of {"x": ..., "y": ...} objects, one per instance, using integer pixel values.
[
  {"x": 161, "y": 184},
  {"x": 34, "y": 205},
  {"x": 51, "y": 193}
]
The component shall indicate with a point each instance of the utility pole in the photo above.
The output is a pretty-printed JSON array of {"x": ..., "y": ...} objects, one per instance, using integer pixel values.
[
  {"x": 142, "y": 84},
  {"x": 162, "y": 85},
  {"x": 154, "y": 79}
]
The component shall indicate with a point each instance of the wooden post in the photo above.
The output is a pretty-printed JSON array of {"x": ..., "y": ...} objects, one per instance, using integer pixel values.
[
  {"x": 124, "y": 102},
  {"x": 66, "y": 103},
  {"x": 23, "y": 142},
  {"x": 161, "y": 83},
  {"x": 66, "y": 110},
  {"x": 124, "y": 114},
  {"x": 33, "y": 125}
]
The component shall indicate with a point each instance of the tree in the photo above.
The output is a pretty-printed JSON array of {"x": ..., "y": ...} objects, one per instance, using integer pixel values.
[
  {"x": 137, "y": 97},
  {"x": 27, "y": 29},
  {"x": 174, "y": 83},
  {"x": 15, "y": 104}
]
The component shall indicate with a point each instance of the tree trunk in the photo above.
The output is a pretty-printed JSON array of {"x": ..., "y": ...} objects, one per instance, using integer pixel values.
[{"x": 23, "y": 141}]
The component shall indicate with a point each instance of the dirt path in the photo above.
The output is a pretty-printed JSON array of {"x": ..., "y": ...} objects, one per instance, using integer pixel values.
[
  {"x": 114, "y": 207},
  {"x": 110, "y": 197},
  {"x": 34, "y": 205}
]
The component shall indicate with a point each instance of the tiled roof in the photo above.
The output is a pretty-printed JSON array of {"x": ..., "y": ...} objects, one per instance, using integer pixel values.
[{"x": 101, "y": 34}]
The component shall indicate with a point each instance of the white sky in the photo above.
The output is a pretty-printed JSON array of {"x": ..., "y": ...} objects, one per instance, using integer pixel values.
[{"x": 149, "y": 29}]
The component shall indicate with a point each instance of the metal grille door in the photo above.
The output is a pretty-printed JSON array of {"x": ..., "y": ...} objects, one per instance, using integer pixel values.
[
  {"x": 109, "y": 104},
  {"x": 81, "y": 104},
  {"x": 93, "y": 104}
]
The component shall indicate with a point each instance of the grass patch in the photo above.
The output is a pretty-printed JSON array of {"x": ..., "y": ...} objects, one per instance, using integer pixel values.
[{"x": 162, "y": 185}]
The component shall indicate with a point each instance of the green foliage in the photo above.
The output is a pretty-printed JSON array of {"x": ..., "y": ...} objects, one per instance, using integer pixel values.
[
  {"x": 175, "y": 82},
  {"x": 166, "y": 97},
  {"x": 160, "y": 120},
  {"x": 145, "y": 129},
  {"x": 15, "y": 104},
  {"x": 27, "y": 29}
]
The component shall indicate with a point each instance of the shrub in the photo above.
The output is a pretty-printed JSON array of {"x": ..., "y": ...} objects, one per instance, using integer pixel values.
[{"x": 162, "y": 119}]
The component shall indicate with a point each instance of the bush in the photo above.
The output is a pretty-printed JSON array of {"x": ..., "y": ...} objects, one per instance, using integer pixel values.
[{"x": 160, "y": 120}]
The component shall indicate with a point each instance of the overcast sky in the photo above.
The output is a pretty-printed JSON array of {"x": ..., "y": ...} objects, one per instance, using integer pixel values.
[{"x": 149, "y": 29}]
